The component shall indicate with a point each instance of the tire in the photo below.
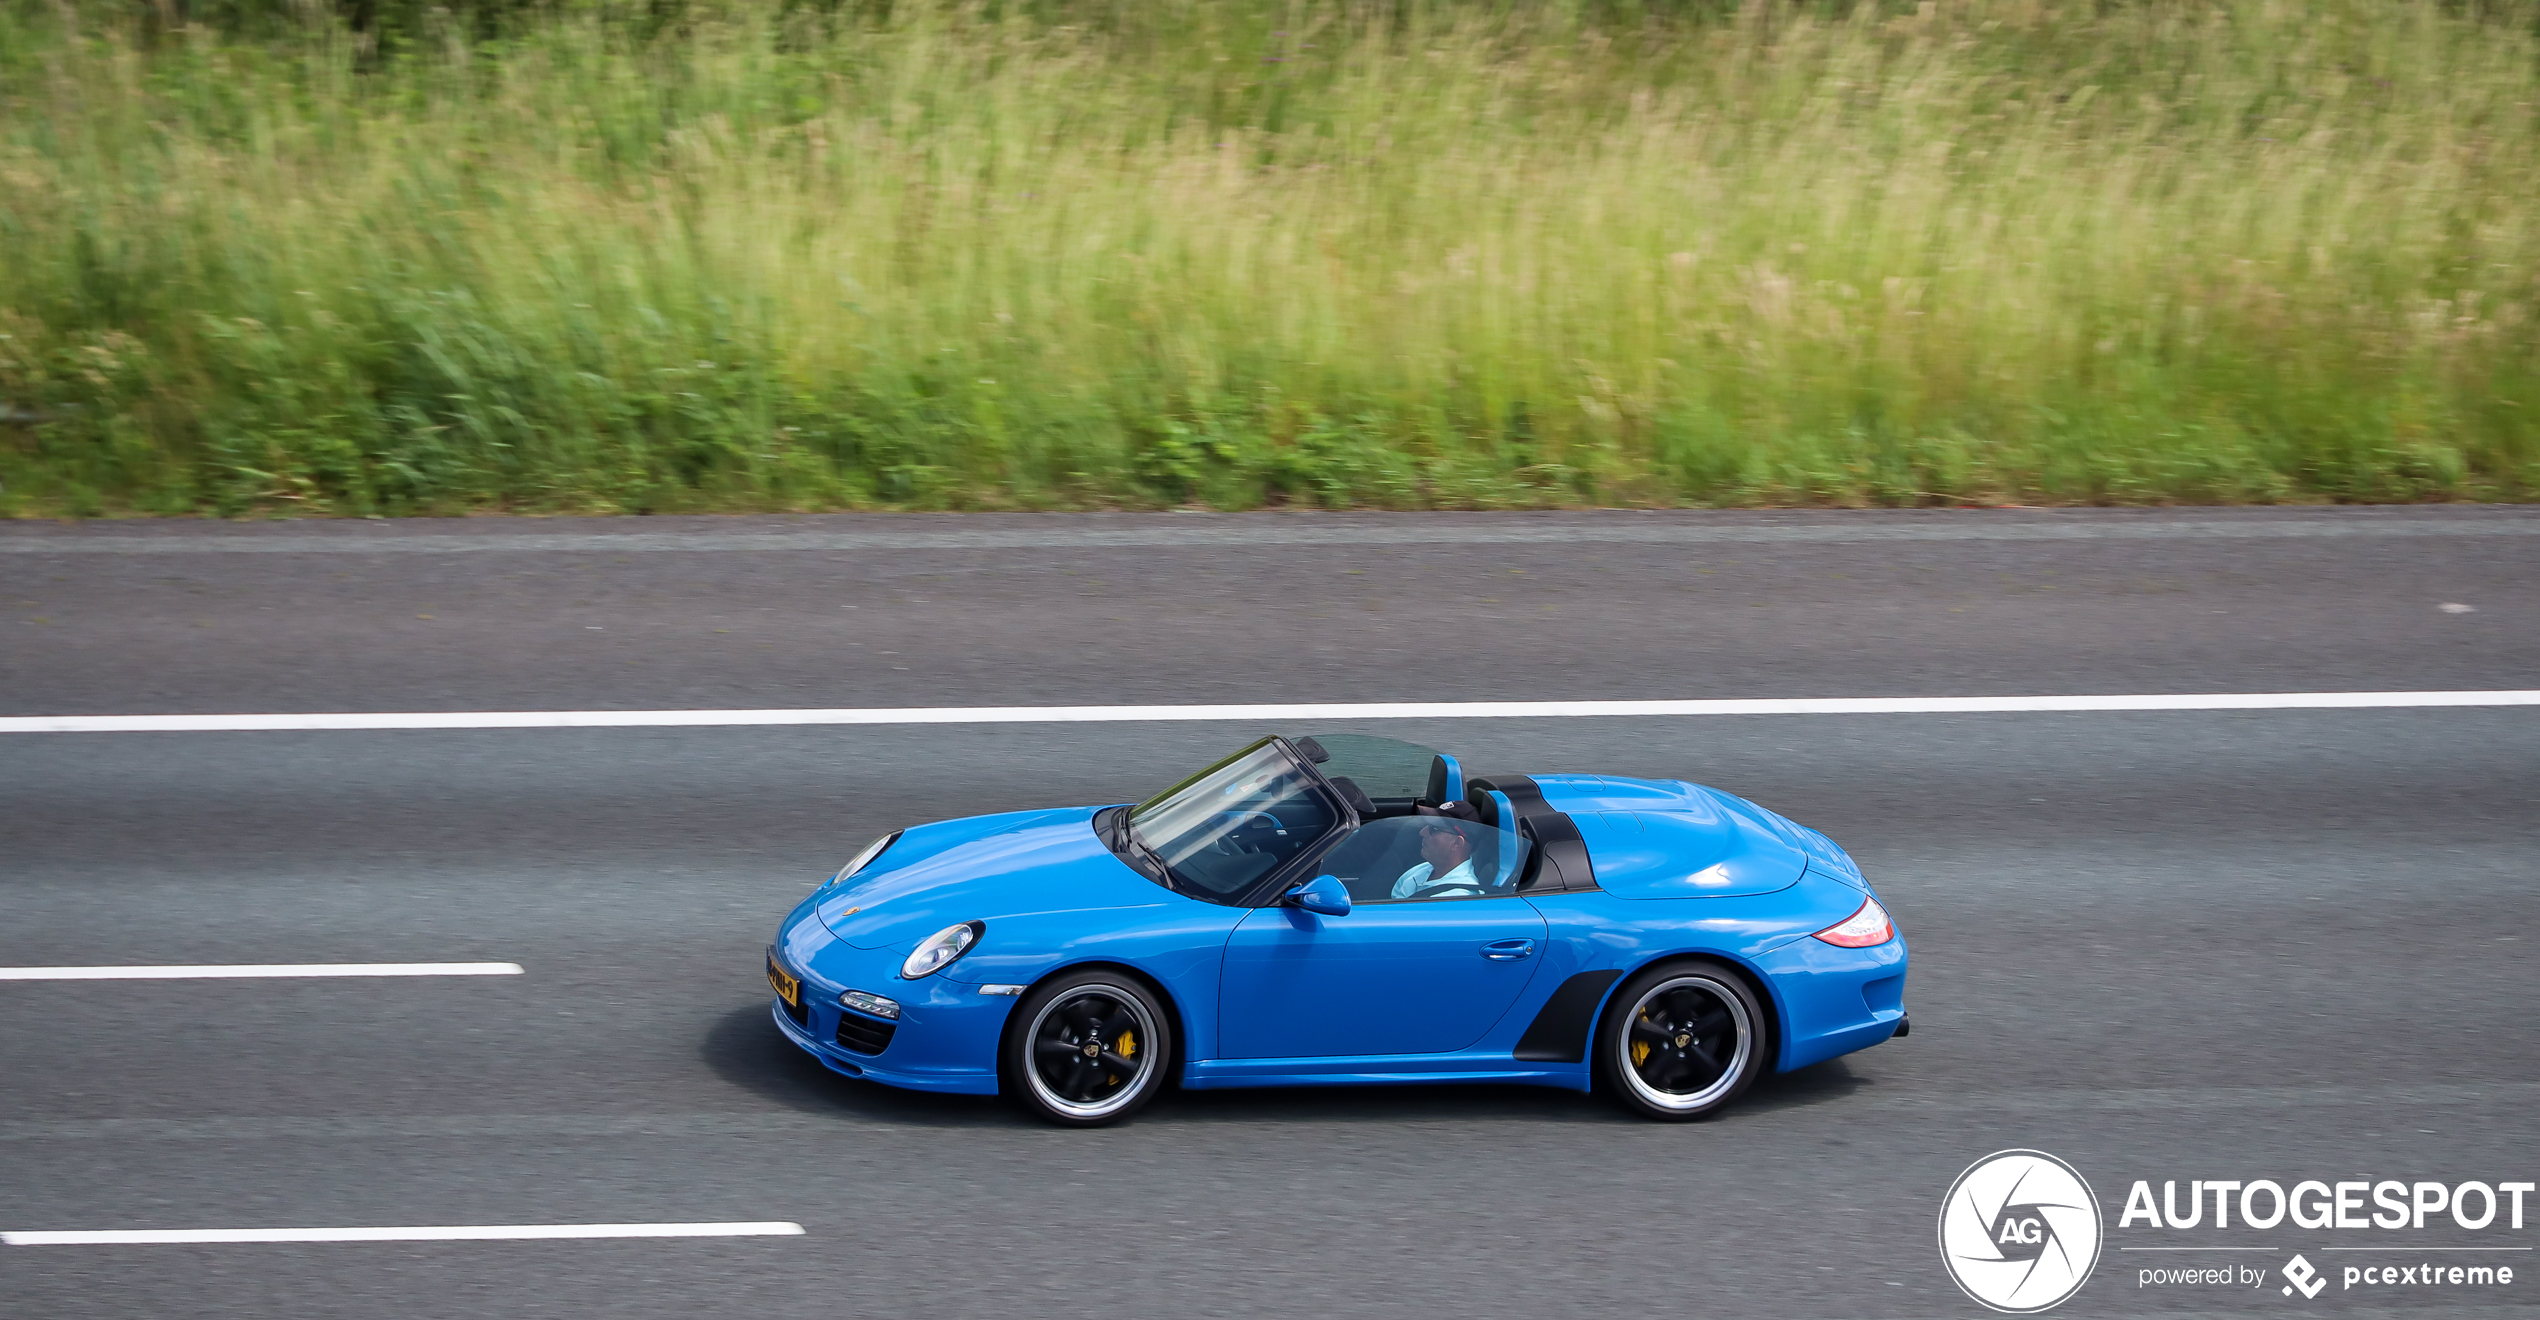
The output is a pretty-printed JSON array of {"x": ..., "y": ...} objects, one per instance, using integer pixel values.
[
  {"x": 1086, "y": 1048},
  {"x": 1680, "y": 1041}
]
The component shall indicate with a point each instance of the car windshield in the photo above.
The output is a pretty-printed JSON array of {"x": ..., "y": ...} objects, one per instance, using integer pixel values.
[{"x": 1222, "y": 830}]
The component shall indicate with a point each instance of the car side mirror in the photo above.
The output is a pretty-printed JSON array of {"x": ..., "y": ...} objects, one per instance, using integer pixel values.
[{"x": 1324, "y": 894}]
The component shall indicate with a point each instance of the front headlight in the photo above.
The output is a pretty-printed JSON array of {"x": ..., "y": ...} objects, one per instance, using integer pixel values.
[
  {"x": 865, "y": 858},
  {"x": 940, "y": 948}
]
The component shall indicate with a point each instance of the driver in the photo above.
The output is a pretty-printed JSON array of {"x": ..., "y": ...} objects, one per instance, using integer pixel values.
[{"x": 1449, "y": 861}]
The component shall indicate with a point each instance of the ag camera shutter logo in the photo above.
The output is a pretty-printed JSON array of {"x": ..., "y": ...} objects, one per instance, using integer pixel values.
[{"x": 2019, "y": 1231}]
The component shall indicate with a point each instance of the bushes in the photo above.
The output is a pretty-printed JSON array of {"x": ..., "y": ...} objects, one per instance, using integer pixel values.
[{"x": 595, "y": 256}]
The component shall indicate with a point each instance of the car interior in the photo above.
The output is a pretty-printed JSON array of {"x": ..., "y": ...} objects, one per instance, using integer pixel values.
[
  {"x": 1229, "y": 826},
  {"x": 1398, "y": 790},
  {"x": 1380, "y": 852}
]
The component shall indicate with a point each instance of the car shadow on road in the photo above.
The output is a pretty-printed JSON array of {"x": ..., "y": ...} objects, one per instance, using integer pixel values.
[
  {"x": 1817, "y": 1084},
  {"x": 745, "y": 1049}
]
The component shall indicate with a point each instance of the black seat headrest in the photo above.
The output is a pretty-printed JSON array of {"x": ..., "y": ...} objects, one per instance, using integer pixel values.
[{"x": 1355, "y": 796}]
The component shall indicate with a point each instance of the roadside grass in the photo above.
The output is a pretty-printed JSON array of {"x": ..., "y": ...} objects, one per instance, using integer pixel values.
[{"x": 1242, "y": 254}]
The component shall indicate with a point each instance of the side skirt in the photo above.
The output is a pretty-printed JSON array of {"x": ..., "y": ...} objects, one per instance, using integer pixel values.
[
  {"x": 1560, "y": 1031},
  {"x": 1376, "y": 1070}
]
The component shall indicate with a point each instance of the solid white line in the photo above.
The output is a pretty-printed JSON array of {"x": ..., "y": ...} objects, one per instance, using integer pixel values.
[
  {"x": 456, "y": 1233},
  {"x": 257, "y": 970},
  {"x": 1397, "y": 710}
]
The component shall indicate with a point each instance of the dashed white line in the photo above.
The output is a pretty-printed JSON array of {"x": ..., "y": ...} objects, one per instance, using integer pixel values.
[
  {"x": 1395, "y": 710},
  {"x": 251, "y": 970},
  {"x": 450, "y": 1233}
]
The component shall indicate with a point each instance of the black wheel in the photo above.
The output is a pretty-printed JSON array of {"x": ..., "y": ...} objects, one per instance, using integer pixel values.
[
  {"x": 1086, "y": 1048},
  {"x": 1680, "y": 1041}
]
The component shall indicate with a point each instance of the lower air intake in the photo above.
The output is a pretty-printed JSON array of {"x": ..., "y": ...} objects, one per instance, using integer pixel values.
[{"x": 864, "y": 1035}]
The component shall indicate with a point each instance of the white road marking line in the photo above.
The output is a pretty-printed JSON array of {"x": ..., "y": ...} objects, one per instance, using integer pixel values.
[
  {"x": 454, "y": 1233},
  {"x": 1397, "y": 710},
  {"x": 224, "y": 970}
]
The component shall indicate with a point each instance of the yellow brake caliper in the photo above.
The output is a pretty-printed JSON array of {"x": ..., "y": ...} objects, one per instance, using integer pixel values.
[
  {"x": 1640, "y": 1048},
  {"x": 1128, "y": 1046}
]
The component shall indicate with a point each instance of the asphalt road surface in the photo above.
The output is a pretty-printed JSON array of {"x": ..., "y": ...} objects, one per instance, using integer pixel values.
[{"x": 2163, "y": 946}]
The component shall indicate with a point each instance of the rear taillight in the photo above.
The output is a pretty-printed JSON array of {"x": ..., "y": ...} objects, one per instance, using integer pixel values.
[{"x": 1863, "y": 929}]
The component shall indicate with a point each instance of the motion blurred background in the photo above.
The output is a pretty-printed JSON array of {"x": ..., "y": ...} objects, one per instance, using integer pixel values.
[{"x": 659, "y": 255}]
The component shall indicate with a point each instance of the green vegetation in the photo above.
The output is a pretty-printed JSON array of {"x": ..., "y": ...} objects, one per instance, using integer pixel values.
[{"x": 593, "y": 256}]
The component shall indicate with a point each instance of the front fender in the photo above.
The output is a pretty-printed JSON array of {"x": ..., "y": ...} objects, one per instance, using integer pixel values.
[{"x": 1180, "y": 945}]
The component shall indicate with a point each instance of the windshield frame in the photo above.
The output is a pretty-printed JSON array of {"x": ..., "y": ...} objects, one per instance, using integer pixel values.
[{"x": 1260, "y": 893}]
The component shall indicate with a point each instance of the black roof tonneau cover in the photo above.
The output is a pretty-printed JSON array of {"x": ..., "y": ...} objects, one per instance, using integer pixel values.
[{"x": 1561, "y": 855}]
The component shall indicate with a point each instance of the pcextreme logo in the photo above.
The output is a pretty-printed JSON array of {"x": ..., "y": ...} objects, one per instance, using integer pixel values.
[
  {"x": 2300, "y": 1273},
  {"x": 2019, "y": 1231}
]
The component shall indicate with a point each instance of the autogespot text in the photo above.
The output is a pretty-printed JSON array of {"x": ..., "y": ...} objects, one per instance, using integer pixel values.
[{"x": 2265, "y": 1203}]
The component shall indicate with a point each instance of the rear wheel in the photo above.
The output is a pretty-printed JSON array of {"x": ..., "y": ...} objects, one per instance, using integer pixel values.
[
  {"x": 1680, "y": 1041},
  {"x": 1086, "y": 1048}
]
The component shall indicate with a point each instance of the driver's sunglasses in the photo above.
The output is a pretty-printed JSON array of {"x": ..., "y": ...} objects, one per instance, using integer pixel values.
[{"x": 1439, "y": 829}]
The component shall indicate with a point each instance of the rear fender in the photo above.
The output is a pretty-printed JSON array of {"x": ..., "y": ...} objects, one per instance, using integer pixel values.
[{"x": 1757, "y": 984}]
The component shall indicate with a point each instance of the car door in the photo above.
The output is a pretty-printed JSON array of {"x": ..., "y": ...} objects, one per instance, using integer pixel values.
[{"x": 1424, "y": 973}]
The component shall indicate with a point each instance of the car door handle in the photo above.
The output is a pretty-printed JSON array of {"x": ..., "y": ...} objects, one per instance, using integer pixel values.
[{"x": 1508, "y": 950}]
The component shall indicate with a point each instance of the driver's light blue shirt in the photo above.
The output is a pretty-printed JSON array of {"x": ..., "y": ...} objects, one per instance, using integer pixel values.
[{"x": 1417, "y": 878}]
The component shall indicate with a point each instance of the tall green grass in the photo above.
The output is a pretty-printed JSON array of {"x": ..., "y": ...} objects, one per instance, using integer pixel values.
[{"x": 1241, "y": 253}]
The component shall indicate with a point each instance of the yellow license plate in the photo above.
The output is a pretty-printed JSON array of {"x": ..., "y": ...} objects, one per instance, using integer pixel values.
[{"x": 787, "y": 988}]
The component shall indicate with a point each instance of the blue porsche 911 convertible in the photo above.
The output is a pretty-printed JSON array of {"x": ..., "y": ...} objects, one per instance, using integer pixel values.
[{"x": 1342, "y": 909}]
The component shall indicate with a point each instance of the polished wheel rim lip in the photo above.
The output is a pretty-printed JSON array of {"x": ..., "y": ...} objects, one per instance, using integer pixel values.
[
  {"x": 1052, "y": 1028},
  {"x": 1735, "y": 1067}
]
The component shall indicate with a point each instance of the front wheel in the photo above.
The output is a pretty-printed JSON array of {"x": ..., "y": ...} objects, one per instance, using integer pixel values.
[
  {"x": 1086, "y": 1048},
  {"x": 1680, "y": 1041}
]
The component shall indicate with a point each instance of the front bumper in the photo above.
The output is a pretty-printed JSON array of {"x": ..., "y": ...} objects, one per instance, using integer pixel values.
[{"x": 946, "y": 1036}]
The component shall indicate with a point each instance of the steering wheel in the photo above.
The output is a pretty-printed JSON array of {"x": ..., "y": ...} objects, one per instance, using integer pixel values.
[
  {"x": 1247, "y": 831},
  {"x": 1459, "y": 889}
]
